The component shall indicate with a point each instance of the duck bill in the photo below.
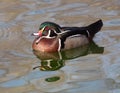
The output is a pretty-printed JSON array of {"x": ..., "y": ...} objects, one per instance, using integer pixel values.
[{"x": 37, "y": 34}]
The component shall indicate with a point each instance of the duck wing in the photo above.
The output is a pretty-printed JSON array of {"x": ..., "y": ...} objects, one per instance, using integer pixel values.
[{"x": 88, "y": 31}]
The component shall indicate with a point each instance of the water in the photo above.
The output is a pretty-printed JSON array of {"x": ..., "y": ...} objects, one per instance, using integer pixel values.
[{"x": 88, "y": 71}]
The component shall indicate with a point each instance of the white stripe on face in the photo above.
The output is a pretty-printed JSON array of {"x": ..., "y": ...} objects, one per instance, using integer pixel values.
[{"x": 48, "y": 33}]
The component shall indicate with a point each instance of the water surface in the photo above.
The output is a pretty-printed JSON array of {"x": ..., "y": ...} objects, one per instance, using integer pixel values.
[{"x": 87, "y": 73}]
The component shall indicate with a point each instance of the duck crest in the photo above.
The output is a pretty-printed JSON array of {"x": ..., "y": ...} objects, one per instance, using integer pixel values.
[{"x": 49, "y": 25}]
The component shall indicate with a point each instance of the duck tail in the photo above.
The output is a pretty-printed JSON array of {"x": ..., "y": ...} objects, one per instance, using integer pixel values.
[{"x": 94, "y": 28}]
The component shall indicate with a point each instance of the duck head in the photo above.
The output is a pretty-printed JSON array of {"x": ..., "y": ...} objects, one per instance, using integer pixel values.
[
  {"x": 47, "y": 37},
  {"x": 48, "y": 29}
]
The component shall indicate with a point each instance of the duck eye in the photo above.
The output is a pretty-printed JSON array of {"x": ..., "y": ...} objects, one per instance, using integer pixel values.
[
  {"x": 47, "y": 28},
  {"x": 45, "y": 33}
]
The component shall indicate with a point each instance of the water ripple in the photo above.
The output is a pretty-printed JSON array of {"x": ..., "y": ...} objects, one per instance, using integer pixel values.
[
  {"x": 2, "y": 72},
  {"x": 14, "y": 83},
  {"x": 113, "y": 22},
  {"x": 4, "y": 27},
  {"x": 13, "y": 37},
  {"x": 7, "y": 30},
  {"x": 56, "y": 9}
]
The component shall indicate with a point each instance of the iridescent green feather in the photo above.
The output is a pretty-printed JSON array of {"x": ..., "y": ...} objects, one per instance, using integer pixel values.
[{"x": 56, "y": 27}]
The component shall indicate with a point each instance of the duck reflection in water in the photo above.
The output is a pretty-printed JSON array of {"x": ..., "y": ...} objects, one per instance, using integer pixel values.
[{"x": 55, "y": 61}]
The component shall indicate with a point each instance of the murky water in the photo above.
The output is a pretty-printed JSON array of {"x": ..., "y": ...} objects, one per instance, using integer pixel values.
[{"x": 91, "y": 71}]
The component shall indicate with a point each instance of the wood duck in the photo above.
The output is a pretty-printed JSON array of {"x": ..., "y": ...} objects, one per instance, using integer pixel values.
[{"x": 52, "y": 38}]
